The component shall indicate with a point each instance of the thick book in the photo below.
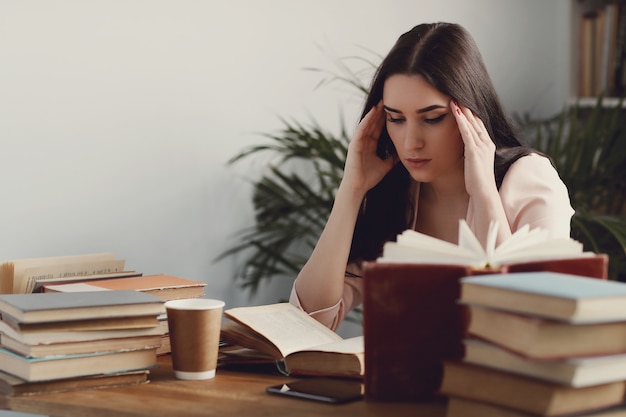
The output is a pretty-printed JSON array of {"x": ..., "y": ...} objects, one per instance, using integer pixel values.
[
  {"x": 461, "y": 407},
  {"x": 107, "y": 323},
  {"x": 526, "y": 394},
  {"x": 575, "y": 372},
  {"x": 13, "y": 386},
  {"x": 540, "y": 338},
  {"x": 47, "y": 336},
  {"x": 166, "y": 287},
  {"x": 552, "y": 295},
  {"x": 41, "y": 350},
  {"x": 405, "y": 290},
  {"x": 48, "y": 307},
  {"x": 23, "y": 276},
  {"x": 70, "y": 366},
  {"x": 298, "y": 343},
  {"x": 42, "y": 280}
]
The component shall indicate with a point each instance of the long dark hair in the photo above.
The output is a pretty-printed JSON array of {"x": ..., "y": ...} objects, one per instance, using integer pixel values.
[{"x": 446, "y": 55}]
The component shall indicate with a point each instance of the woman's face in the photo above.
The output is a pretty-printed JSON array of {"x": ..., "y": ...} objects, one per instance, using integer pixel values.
[{"x": 422, "y": 128}]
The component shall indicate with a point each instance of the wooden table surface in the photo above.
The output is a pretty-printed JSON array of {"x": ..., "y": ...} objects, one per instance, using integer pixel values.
[{"x": 230, "y": 393}]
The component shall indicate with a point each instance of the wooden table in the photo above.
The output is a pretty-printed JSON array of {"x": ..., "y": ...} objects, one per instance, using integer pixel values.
[{"x": 230, "y": 393}]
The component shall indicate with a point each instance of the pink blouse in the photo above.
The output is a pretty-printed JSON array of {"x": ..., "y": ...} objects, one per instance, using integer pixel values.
[{"x": 532, "y": 193}]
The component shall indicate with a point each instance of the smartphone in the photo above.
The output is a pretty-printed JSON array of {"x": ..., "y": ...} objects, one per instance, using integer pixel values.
[{"x": 327, "y": 390}]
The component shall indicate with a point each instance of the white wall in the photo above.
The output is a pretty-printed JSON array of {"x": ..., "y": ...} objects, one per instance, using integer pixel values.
[{"x": 117, "y": 117}]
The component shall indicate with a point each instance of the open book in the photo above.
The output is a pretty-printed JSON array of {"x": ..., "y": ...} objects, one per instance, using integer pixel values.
[
  {"x": 298, "y": 343},
  {"x": 24, "y": 276},
  {"x": 523, "y": 246}
]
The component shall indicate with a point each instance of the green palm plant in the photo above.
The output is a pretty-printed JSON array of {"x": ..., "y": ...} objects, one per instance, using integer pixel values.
[
  {"x": 291, "y": 205},
  {"x": 292, "y": 201},
  {"x": 588, "y": 148}
]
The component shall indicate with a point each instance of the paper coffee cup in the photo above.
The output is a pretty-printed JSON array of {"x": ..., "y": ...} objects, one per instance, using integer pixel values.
[{"x": 194, "y": 330}]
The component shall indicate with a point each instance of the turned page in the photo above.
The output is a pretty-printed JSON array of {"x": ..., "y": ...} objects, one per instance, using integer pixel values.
[
  {"x": 285, "y": 325},
  {"x": 19, "y": 276},
  {"x": 524, "y": 245}
]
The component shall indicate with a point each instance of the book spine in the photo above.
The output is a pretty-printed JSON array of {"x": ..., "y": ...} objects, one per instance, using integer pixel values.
[
  {"x": 619, "y": 70},
  {"x": 586, "y": 75}
]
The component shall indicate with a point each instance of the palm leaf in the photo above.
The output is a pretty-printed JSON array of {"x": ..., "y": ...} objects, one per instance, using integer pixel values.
[
  {"x": 588, "y": 147},
  {"x": 291, "y": 202}
]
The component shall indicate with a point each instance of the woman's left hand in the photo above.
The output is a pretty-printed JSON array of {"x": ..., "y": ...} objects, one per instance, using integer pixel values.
[{"x": 479, "y": 152}]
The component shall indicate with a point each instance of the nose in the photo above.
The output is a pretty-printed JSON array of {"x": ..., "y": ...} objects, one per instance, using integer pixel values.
[{"x": 413, "y": 137}]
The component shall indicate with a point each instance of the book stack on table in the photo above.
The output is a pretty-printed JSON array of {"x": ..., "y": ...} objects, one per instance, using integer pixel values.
[
  {"x": 540, "y": 344},
  {"x": 63, "y": 341},
  {"x": 166, "y": 287}
]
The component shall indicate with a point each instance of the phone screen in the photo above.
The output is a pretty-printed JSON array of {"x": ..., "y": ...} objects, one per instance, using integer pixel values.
[{"x": 328, "y": 390}]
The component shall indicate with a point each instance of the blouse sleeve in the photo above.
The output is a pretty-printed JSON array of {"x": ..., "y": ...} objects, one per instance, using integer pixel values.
[
  {"x": 332, "y": 316},
  {"x": 533, "y": 193}
]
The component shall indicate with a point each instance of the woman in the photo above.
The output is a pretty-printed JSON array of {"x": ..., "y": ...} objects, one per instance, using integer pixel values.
[{"x": 433, "y": 146}]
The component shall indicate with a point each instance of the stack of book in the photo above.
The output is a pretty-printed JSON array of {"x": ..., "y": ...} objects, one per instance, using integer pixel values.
[
  {"x": 63, "y": 341},
  {"x": 540, "y": 344},
  {"x": 163, "y": 286}
]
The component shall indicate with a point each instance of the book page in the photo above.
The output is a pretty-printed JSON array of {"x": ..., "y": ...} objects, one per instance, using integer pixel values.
[
  {"x": 39, "y": 283},
  {"x": 350, "y": 345},
  {"x": 76, "y": 287},
  {"x": 470, "y": 242},
  {"x": 538, "y": 250},
  {"x": 12, "y": 272},
  {"x": 288, "y": 327},
  {"x": 394, "y": 252},
  {"x": 416, "y": 247},
  {"x": 522, "y": 246},
  {"x": 522, "y": 238},
  {"x": 35, "y": 277}
]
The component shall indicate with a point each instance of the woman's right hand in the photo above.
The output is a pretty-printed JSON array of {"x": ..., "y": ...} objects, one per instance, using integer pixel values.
[{"x": 364, "y": 168}]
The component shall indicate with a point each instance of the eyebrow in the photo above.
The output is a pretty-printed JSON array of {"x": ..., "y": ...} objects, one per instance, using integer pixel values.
[{"x": 424, "y": 110}]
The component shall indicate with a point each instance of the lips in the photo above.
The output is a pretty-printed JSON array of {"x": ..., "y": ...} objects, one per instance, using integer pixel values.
[{"x": 417, "y": 162}]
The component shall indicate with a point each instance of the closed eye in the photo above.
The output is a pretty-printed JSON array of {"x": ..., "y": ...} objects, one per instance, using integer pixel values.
[
  {"x": 392, "y": 119},
  {"x": 436, "y": 119}
]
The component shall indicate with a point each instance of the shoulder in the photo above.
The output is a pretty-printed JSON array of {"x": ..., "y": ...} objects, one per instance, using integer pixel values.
[
  {"x": 533, "y": 160},
  {"x": 533, "y": 193},
  {"x": 532, "y": 169}
]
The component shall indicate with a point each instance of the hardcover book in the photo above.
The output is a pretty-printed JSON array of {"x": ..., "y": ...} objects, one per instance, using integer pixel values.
[
  {"x": 70, "y": 366},
  {"x": 107, "y": 323},
  {"x": 542, "y": 338},
  {"x": 526, "y": 394},
  {"x": 462, "y": 407},
  {"x": 575, "y": 372},
  {"x": 166, "y": 287},
  {"x": 298, "y": 343},
  {"x": 49, "y": 307},
  {"x": 48, "y": 336},
  {"x": 553, "y": 295},
  {"x": 14, "y": 386},
  {"x": 41, "y": 350}
]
